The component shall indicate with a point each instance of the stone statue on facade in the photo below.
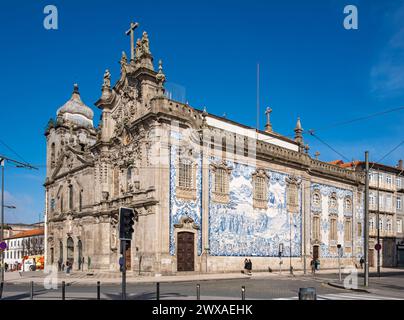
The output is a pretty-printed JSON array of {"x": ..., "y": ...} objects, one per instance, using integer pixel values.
[{"x": 107, "y": 79}]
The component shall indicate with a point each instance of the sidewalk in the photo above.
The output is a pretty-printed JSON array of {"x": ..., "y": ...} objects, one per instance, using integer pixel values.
[{"x": 115, "y": 277}]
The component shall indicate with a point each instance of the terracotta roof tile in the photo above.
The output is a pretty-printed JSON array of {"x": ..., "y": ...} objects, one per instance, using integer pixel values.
[{"x": 28, "y": 233}]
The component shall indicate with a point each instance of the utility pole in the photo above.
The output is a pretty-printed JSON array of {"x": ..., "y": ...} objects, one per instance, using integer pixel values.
[
  {"x": 19, "y": 164},
  {"x": 366, "y": 227},
  {"x": 378, "y": 221},
  {"x": 2, "y": 224}
]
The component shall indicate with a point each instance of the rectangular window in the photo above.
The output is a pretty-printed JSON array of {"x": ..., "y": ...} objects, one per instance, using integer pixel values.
[
  {"x": 398, "y": 182},
  {"x": 221, "y": 181},
  {"x": 185, "y": 175},
  {"x": 348, "y": 230},
  {"x": 399, "y": 226},
  {"x": 389, "y": 180},
  {"x": 259, "y": 183},
  {"x": 398, "y": 203},
  {"x": 359, "y": 229},
  {"x": 389, "y": 203},
  {"x": 372, "y": 199},
  {"x": 245, "y": 147},
  {"x": 333, "y": 229},
  {"x": 380, "y": 178},
  {"x": 316, "y": 228}
]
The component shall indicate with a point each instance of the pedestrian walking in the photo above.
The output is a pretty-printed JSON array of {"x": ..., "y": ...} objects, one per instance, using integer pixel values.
[
  {"x": 317, "y": 264},
  {"x": 313, "y": 267},
  {"x": 245, "y": 265},
  {"x": 362, "y": 262},
  {"x": 82, "y": 263},
  {"x": 250, "y": 266}
]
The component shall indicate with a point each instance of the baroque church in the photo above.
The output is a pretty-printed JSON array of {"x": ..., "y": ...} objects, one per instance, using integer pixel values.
[{"x": 207, "y": 192}]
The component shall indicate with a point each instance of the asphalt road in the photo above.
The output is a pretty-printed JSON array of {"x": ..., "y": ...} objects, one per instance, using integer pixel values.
[{"x": 274, "y": 288}]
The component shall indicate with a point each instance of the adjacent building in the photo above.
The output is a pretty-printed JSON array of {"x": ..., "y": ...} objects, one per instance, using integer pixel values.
[
  {"x": 207, "y": 192},
  {"x": 386, "y": 216},
  {"x": 25, "y": 243}
]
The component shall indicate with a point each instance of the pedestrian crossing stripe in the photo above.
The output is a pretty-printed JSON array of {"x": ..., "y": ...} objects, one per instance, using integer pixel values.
[{"x": 346, "y": 296}]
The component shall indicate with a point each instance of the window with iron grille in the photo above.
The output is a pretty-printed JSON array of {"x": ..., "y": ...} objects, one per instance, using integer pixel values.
[
  {"x": 348, "y": 230},
  {"x": 259, "y": 188},
  {"x": 185, "y": 175},
  {"x": 221, "y": 181},
  {"x": 333, "y": 228}
]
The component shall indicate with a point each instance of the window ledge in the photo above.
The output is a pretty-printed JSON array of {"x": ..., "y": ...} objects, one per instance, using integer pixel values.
[
  {"x": 186, "y": 193},
  {"x": 221, "y": 197}
]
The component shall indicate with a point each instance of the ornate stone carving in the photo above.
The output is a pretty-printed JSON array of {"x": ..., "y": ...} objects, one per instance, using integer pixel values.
[
  {"x": 187, "y": 223},
  {"x": 107, "y": 79},
  {"x": 260, "y": 201}
]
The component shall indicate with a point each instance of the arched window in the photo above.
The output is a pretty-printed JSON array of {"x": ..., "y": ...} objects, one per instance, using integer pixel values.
[
  {"x": 348, "y": 204},
  {"x": 316, "y": 199},
  {"x": 61, "y": 203},
  {"x": 60, "y": 252},
  {"x": 333, "y": 201},
  {"x": 70, "y": 197},
  {"x": 53, "y": 156},
  {"x": 80, "y": 200},
  {"x": 70, "y": 250}
]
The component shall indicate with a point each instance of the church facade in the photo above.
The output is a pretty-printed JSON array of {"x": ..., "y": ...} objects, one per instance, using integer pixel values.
[{"x": 207, "y": 192}]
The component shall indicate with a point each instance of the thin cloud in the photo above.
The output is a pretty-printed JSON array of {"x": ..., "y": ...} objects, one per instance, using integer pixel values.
[{"x": 387, "y": 76}]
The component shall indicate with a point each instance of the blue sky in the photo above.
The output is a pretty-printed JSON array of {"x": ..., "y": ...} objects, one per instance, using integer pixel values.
[{"x": 310, "y": 67}]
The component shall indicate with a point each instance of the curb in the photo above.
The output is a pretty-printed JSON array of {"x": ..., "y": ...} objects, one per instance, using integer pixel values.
[
  {"x": 339, "y": 286},
  {"x": 75, "y": 281}
]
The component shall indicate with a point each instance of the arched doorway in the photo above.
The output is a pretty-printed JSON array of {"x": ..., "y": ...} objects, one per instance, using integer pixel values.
[
  {"x": 70, "y": 251},
  {"x": 80, "y": 256},
  {"x": 185, "y": 251}
]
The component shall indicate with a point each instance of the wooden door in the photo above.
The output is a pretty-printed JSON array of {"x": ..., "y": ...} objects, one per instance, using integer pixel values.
[
  {"x": 371, "y": 258},
  {"x": 315, "y": 252},
  {"x": 185, "y": 251}
]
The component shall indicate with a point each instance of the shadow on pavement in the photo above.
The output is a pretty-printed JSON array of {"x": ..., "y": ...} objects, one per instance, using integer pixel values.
[{"x": 143, "y": 296}]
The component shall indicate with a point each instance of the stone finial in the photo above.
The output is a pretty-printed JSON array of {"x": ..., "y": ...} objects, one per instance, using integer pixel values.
[
  {"x": 299, "y": 132},
  {"x": 268, "y": 125},
  {"x": 306, "y": 148},
  {"x": 160, "y": 75},
  {"x": 317, "y": 154},
  {"x": 76, "y": 89}
]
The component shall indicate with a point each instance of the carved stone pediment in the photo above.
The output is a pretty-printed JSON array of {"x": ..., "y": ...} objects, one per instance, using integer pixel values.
[
  {"x": 187, "y": 223},
  {"x": 70, "y": 159}
]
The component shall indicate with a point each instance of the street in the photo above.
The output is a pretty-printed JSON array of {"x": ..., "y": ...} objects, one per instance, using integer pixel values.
[{"x": 261, "y": 287}]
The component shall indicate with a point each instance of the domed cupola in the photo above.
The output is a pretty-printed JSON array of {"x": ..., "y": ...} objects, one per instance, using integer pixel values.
[{"x": 75, "y": 111}]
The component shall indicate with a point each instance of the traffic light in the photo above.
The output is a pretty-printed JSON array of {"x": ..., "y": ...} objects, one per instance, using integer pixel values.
[{"x": 126, "y": 217}]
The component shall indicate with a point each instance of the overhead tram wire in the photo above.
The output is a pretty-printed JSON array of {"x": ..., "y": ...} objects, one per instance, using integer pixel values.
[
  {"x": 342, "y": 123},
  {"x": 311, "y": 132},
  {"x": 387, "y": 154},
  {"x": 346, "y": 122},
  {"x": 13, "y": 151}
]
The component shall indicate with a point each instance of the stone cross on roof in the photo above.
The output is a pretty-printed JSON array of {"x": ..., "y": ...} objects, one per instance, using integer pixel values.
[{"x": 131, "y": 32}]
